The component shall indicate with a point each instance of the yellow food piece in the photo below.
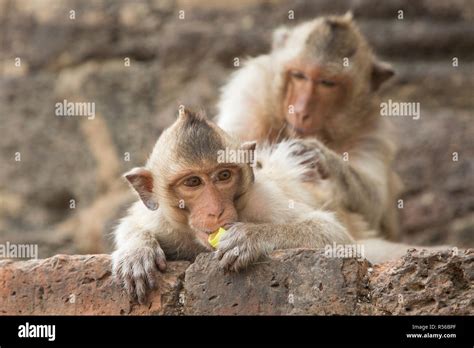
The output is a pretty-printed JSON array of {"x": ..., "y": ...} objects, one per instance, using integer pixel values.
[{"x": 215, "y": 237}]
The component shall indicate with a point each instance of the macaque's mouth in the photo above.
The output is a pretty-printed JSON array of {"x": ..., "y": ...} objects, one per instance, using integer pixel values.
[
  {"x": 225, "y": 226},
  {"x": 203, "y": 237},
  {"x": 298, "y": 131},
  {"x": 303, "y": 132},
  {"x": 204, "y": 232}
]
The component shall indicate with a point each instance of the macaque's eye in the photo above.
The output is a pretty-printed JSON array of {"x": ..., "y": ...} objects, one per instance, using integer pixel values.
[
  {"x": 327, "y": 83},
  {"x": 192, "y": 181},
  {"x": 298, "y": 75},
  {"x": 224, "y": 175}
]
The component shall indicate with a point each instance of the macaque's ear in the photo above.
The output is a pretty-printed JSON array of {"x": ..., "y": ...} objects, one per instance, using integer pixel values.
[
  {"x": 141, "y": 180},
  {"x": 381, "y": 72},
  {"x": 280, "y": 36},
  {"x": 250, "y": 147}
]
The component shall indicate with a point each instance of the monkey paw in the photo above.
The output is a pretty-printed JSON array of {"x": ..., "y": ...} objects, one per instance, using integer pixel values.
[
  {"x": 238, "y": 247},
  {"x": 135, "y": 269},
  {"x": 311, "y": 155}
]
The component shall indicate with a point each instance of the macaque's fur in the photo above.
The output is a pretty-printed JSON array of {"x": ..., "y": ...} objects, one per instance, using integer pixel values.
[
  {"x": 286, "y": 165},
  {"x": 278, "y": 195},
  {"x": 277, "y": 205},
  {"x": 275, "y": 209},
  {"x": 251, "y": 108}
]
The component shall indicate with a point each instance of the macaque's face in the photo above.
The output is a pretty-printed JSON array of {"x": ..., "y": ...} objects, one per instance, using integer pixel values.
[
  {"x": 208, "y": 197},
  {"x": 312, "y": 95}
]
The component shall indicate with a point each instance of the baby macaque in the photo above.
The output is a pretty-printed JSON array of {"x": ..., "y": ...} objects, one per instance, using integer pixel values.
[{"x": 188, "y": 189}]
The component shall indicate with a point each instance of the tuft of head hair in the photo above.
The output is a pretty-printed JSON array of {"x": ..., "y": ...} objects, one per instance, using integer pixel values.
[
  {"x": 324, "y": 39},
  {"x": 196, "y": 138},
  {"x": 335, "y": 36},
  {"x": 186, "y": 114},
  {"x": 339, "y": 22},
  {"x": 192, "y": 141}
]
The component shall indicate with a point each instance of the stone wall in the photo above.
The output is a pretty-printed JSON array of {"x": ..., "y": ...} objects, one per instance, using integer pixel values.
[{"x": 298, "y": 281}]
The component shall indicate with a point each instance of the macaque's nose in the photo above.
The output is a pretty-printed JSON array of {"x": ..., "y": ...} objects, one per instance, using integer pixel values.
[
  {"x": 301, "y": 117},
  {"x": 216, "y": 213},
  {"x": 302, "y": 108}
]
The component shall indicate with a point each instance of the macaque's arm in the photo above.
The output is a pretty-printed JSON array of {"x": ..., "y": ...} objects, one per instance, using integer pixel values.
[
  {"x": 361, "y": 182},
  {"x": 138, "y": 254},
  {"x": 245, "y": 243}
]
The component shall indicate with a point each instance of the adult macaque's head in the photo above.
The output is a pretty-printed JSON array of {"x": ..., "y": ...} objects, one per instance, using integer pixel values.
[
  {"x": 327, "y": 69},
  {"x": 188, "y": 179}
]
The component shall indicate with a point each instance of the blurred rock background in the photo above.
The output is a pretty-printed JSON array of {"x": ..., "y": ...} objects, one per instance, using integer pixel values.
[{"x": 177, "y": 61}]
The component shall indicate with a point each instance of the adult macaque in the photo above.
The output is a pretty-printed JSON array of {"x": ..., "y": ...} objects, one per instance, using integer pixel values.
[
  {"x": 319, "y": 81},
  {"x": 186, "y": 194}
]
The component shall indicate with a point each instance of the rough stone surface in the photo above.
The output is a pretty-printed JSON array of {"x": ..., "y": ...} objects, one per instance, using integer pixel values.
[
  {"x": 80, "y": 285},
  {"x": 289, "y": 282},
  {"x": 298, "y": 281},
  {"x": 425, "y": 283}
]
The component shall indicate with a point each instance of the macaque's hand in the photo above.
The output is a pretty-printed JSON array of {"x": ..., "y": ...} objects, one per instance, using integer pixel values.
[
  {"x": 314, "y": 156},
  {"x": 239, "y": 247},
  {"x": 135, "y": 269}
]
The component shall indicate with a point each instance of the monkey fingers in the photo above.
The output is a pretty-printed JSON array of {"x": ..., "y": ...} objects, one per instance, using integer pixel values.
[
  {"x": 124, "y": 276},
  {"x": 317, "y": 155},
  {"x": 237, "y": 248},
  {"x": 141, "y": 282},
  {"x": 160, "y": 259},
  {"x": 136, "y": 269},
  {"x": 228, "y": 258},
  {"x": 234, "y": 236},
  {"x": 310, "y": 161}
]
